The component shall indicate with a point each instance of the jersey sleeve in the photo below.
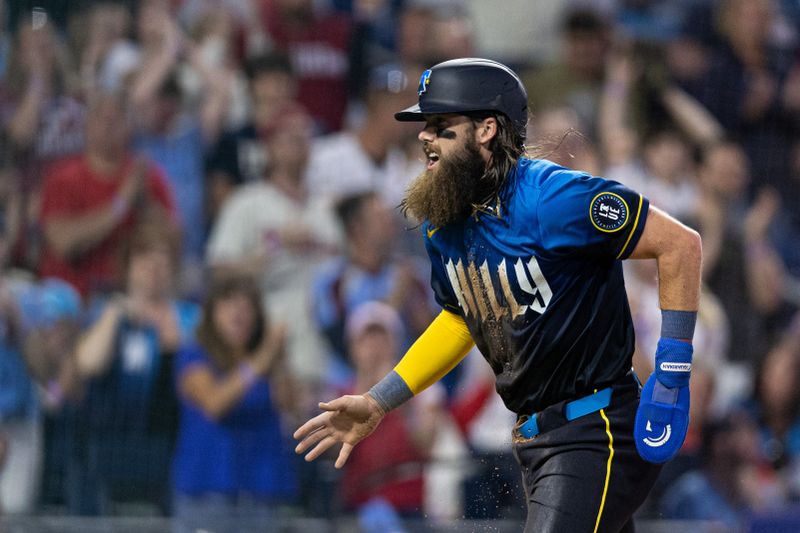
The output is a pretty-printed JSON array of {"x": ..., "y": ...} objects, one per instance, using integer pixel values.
[
  {"x": 586, "y": 215},
  {"x": 440, "y": 283}
]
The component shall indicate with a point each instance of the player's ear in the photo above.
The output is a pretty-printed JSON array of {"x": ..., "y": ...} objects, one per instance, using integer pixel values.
[{"x": 485, "y": 131}]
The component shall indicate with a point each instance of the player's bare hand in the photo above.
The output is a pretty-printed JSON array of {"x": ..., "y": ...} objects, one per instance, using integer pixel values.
[{"x": 347, "y": 420}]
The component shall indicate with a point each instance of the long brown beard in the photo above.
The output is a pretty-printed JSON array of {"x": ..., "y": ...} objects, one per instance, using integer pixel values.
[{"x": 447, "y": 193}]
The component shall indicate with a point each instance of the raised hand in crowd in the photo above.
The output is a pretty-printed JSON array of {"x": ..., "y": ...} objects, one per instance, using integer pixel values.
[
  {"x": 761, "y": 92},
  {"x": 766, "y": 271},
  {"x": 38, "y": 65}
]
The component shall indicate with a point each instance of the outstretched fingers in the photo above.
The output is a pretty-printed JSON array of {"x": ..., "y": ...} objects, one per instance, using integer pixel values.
[
  {"x": 312, "y": 439},
  {"x": 315, "y": 424},
  {"x": 321, "y": 448},
  {"x": 344, "y": 453}
]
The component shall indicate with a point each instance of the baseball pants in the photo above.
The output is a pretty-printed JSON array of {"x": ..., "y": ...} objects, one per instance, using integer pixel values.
[{"x": 585, "y": 475}]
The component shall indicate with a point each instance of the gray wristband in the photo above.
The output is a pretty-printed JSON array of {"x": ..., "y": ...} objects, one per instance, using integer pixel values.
[
  {"x": 391, "y": 392},
  {"x": 678, "y": 324}
]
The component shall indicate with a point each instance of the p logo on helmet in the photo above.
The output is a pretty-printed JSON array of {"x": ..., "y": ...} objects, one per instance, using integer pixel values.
[{"x": 424, "y": 81}]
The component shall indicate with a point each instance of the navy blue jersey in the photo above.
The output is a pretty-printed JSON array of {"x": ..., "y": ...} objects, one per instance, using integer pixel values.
[{"x": 539, "y": 283}]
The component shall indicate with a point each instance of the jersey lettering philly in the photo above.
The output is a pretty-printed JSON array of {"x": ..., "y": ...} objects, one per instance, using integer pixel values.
[{"x": 549, "y": 322}]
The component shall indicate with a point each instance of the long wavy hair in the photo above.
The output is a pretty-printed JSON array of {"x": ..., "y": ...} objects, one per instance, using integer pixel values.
[
  {"x": 224, "y": 285},
  {"x": 507, "y": 147}
]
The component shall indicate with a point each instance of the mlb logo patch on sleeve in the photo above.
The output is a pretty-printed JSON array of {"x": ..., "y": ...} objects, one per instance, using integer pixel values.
[{"x": 608, "y": 212}]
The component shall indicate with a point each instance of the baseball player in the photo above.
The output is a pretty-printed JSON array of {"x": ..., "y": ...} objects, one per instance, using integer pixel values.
[{"x": 526, "y": 264}]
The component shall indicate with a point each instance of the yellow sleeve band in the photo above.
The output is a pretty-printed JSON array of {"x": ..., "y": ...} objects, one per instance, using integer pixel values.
[{"x": 436, "y": 352}]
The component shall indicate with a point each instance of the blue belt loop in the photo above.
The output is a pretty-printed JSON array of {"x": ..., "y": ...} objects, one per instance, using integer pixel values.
[
  {"x": 588, "y": 404},
  {"x": 574, "y": 409},
  {"x": 530, "y": 428}
]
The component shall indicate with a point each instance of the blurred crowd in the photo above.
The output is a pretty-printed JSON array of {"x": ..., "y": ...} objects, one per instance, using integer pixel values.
[{"x": 199, "y": 241}]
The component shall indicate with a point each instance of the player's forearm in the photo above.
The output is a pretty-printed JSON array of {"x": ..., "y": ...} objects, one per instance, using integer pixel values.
[
  {"x": 435, "y": 353},
  {"x": 679, "y": 273},
  {"x": 678, "y": 252}
]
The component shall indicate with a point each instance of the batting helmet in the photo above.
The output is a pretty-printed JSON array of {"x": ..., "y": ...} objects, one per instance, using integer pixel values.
[{"x": 470, "y": 84}]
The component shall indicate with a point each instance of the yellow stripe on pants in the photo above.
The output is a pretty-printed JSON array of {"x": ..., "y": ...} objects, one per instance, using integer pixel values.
[{"x": 608, "y": 469}]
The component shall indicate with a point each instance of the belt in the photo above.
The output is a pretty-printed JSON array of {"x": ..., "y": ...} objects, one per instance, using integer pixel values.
[{"x": 572, "y": 410}]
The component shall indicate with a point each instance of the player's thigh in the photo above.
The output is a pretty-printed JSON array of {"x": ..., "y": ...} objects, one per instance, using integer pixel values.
[
  {"x": 582, "y": 480},
  {"x": 565, "y": 491}
]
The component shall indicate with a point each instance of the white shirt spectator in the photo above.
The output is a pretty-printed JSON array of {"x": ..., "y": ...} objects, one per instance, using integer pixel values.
[
  {"x": 261, "y": 223},
  {"x": 339, "y": 167}
]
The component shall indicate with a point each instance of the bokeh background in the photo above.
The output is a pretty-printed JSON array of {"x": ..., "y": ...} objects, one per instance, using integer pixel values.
[{"x": 199, "y": 240}]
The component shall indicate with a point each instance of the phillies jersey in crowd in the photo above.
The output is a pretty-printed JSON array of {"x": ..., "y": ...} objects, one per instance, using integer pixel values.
[{"x": 552, "y": 324}]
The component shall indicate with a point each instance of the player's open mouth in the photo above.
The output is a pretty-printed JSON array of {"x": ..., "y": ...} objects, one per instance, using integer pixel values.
[{"x": 433, "y": 159}]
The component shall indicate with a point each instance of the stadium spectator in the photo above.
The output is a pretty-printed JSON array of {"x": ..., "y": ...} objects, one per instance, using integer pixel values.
[
  {"x": 576, "y": 79},
  {"x": 43, "y": 121},
  {"x": 369, "y": 271},
  {"x": 90, "y": 202},
  {"x": 734, "y": 482},
  {"x": 177, "y": 142},
  {"x": 655, "y": 160},
  {"x": 231, "y": 466},
  {"x": 557, "y": 133},
  {"x": 275, "y": 230},
  {"x": 740, "y": 266},
  {"x": 213, "y": 32},
  {"x": 107, "y": 55},
  {"x": 318, "y": 43},
  {"x": 130, "y": 413},
  {"x": 749, "y": 89},
  {"x": 452, "y": 33},
  {"x": 239, "y": 156},
  {"x": 174, "y": 135},
  {"x": 51, "y": 315},
  {"x": 18, "y": 425},
  {"x": 664, "y": 172},
  {"x": 429, "y": 31},
  {"x": 392, "y": 463},
  {"x": 370, "y": 156},
  {"x": 775, "y": 403}
]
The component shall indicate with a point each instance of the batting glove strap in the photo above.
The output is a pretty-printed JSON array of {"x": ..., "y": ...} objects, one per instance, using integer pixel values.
[{"x": 673, "y": 362}]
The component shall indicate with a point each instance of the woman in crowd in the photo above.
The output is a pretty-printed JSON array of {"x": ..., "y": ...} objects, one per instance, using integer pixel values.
[
  {"x": 231, "y": 465},
  {"x": 131, "y": 410}
]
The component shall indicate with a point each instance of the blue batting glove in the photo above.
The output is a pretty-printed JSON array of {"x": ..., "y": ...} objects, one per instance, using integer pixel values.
[{"x": 662, "y": 418}]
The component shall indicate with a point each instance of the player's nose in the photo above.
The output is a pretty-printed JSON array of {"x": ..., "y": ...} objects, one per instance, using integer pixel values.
[{"x": 428, "y": 134}]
